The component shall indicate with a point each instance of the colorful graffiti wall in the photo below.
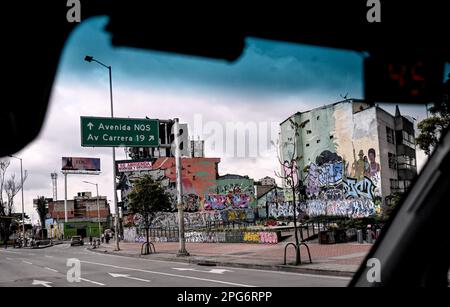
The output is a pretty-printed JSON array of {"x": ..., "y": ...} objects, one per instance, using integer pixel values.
[
  {"x": 204, "y": 218},
  {"x": 340, "y": 165},
  {"x": 198, "y": 178},
  {"x": 231, "y": 193}
]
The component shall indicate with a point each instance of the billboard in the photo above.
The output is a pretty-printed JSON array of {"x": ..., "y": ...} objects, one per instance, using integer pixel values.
[
  {"x": 80, "y": 164},
  {"x": 134, "y": 166}
]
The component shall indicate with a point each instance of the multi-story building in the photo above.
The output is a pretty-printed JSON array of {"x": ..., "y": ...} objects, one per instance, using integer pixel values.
[
  {"x": 351, "y": 154},
  {"x": 82, "y": 214}
]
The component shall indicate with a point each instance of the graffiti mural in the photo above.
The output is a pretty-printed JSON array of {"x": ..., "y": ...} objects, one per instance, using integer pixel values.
[
  {"x": 235, "y": 188},
  {"x": 263, "y": 237},
  {"x": 363, "y": 188},
  {"x": 228, "y": 201},
  {"x": 203, "y": 218},
  {"x": 354, "y": 208},
  {"x": 332, "y": 190},
  {"x": 291, "y": 173},
  {"x": 283, "y": 210},
  {"x": 191, "y": 202},
  {"x": 326, "y": 175}
]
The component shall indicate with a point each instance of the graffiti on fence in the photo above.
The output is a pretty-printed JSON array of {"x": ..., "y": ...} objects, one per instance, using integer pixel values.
[
  {"x": 264, "y": 237},
  {"x": 203, "y": 218},
  {"x": 354, "y": 208},
  {"x": 283, "y": 210},
  {"x": 132, "y": 234}
]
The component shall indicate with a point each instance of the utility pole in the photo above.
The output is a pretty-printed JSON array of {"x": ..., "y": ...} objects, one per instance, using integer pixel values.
[{"x": 178, "y": 165}]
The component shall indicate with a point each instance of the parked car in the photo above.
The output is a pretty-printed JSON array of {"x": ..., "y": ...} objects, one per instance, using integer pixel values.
[{"x": 76, "y": 240}]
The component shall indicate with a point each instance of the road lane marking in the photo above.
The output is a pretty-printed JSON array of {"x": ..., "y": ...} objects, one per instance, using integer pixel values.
[
  {"x": 48, "y": 256},
  {"x": 213, "y": 271},
  {"x": 128, "y": 276},
  {"x": 167, "y": 274},
  {"x": 9, "y": 259},
  {"x": 91, "y": 253},
  {"x": 237, "y": 268},
  {"x": 12, "y": 252},
  {"x": 50, "y": 269},
  {"x": 27, "y": 262},
  {"x": 42, "y": 283},
  {"x": 91, "y": 281}
]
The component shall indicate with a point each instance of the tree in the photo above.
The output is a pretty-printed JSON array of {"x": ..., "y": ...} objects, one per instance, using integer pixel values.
[
  {"x": 290, "y": 175},
  {"x": 42, "y": 209},
  {"x": 431, "y": 128},
  {"x": 147, "y": 198},
  {"x": 9, "y": 186}
]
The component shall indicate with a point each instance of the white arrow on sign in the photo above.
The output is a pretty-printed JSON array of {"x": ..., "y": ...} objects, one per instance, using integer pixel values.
[
  {"x": 128, "y": 276},
  {"x": 213, "y": 271},
  {"x": 90, "y": 125},
  {"x": 42, "y": 283}
]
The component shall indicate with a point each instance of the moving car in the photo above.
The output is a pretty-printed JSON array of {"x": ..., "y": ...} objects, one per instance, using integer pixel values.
[{"x": 76, "y": 240}]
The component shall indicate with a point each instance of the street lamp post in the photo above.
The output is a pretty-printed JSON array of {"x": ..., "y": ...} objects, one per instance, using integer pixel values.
[
  {"x": 23, "y": 210},
  {"x": 98, "y": 208},
  {"x": 116, "y": 221},
  {"x": 178, "y": 165}
]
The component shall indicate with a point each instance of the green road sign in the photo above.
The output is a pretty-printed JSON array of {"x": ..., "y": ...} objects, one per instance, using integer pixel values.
[{"x": 119, "y": 132}]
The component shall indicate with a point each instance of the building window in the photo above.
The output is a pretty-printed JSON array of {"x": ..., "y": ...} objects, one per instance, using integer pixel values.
[
  {"x": 308, "y": 131},
  {"x": 318, "y": 141},
  {"x": 331, "y": 137},
  {"x": 390, "y": 135},
  {"x": 408, "y": 139},
  {"x": 406, "y": 162},
  {"x": 394, "y": 185},
  {"x": 318, "y": 117},
  {"x": 307, "y": 145},
  {"x": 392, "y": 161}
]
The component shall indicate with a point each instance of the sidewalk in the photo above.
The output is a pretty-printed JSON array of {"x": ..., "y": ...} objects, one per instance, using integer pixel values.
[{"x": 334, "y": 259}]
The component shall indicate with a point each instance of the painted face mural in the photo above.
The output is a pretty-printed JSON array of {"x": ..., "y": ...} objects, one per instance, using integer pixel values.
[{"x": 374, "y": 167}]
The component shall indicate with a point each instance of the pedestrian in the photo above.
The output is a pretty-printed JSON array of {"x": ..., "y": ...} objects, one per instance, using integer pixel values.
[
  {"x": 90, "y": 240},
  {"x": 103, "y": 238}
]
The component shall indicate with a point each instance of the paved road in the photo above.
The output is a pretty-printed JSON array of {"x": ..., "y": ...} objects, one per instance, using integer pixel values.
[{"x": 48, "y": 268}]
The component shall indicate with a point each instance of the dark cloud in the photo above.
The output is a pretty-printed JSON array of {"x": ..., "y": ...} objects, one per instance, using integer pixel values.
[{"x": 265, "y": 68}]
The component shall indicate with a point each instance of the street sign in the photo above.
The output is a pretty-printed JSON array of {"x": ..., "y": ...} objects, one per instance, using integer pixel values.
[{"x": 119, "y": 132}]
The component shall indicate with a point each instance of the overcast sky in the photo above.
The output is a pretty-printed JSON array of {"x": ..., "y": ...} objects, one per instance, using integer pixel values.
[{"x": 270, "y": 82}]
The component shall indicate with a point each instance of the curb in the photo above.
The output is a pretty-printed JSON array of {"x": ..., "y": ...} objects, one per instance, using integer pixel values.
[{"x": 211, "y": 262}]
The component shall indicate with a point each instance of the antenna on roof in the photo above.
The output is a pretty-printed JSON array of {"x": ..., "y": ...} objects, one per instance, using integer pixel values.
[{"x": 344, "y": 97}]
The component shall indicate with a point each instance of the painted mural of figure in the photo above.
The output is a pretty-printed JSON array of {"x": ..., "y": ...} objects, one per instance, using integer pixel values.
[
  {"x": 374, "y": 167},
  {"x": 358, "y": 166},
  {"x": 366, "y": 167},
  {"x": 291, "y": 172}
]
